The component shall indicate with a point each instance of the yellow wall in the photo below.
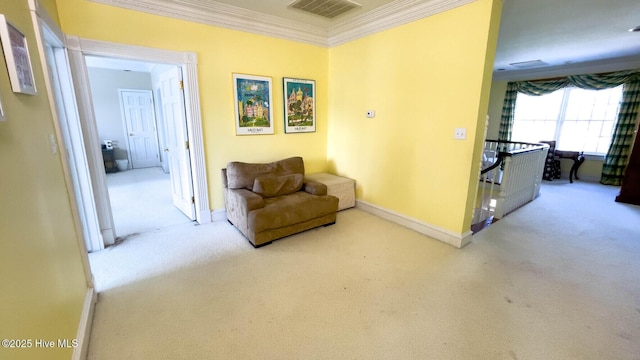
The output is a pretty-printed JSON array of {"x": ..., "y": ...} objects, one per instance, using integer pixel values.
[
  {"x": 406, "y": 74},
  {"x": 221, "y": 52},
  {"x": 423, "y": 79},
  {"x": 42, "y": 282}
]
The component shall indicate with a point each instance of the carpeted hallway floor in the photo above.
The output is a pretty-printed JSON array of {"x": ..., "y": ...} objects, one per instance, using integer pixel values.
[
  {"x": 557, "y": 279},
  {"x": 141, "y": 201}
]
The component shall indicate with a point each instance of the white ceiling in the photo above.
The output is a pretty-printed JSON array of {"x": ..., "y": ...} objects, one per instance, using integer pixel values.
[
  {"x": 279, "y": 8},
  {"x": 570, "y": 36}
]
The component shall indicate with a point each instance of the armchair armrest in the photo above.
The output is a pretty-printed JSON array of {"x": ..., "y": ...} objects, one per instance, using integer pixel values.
[
  {"x": 243, "y": 200},
  {"x": 239, "y": 203},
  {"x": 314, "y": 187}
]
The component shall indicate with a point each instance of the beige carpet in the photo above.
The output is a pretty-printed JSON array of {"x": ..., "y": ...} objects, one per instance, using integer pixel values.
[
  {"x": 557, "y": 279},
  {"x": 141, "y": 201}
]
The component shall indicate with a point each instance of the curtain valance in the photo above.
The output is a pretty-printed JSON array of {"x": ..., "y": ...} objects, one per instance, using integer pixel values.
[{"x": 587, "y": 82}]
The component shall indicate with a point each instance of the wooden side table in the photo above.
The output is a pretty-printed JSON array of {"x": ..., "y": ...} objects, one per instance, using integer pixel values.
[
  {"x": 340, "y": 187},
  {"x": 578, "y": 159}
]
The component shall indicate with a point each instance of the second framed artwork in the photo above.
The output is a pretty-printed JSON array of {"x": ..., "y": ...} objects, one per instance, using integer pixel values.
[{"x": 299, "y": 105}]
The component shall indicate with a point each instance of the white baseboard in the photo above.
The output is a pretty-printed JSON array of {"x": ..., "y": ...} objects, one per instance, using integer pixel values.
[
  {"x": 219, "y": 215},
  {"x": 84, "y": 328},
  {"x": 446, "y": 236}
]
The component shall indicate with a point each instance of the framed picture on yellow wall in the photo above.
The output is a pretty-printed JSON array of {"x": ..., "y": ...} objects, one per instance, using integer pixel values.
[
  {"x": 253, "y": 104},
  {"x": 16, "y": 54},
  {"x": 299, "y": 105}
]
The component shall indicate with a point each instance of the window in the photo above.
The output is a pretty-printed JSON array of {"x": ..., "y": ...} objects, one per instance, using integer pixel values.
[{"x": 578, "y": 119}]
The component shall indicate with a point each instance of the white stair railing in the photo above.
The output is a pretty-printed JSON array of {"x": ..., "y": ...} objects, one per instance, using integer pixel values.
[
  {"x": 520, "y": 181},
  {"x": 511, "y": 177}
]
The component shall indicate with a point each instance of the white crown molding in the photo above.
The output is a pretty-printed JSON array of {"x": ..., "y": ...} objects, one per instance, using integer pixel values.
[
  {"x": 394, "y": 14},
  {"x": 213, "y": 13},
  {"x": 227, "y": 16}
]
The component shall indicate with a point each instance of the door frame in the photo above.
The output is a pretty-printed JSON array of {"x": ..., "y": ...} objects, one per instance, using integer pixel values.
[
  {"x": 78, "y": 48},
  {"x": 59, "y": 92},
  {"x": 64, "y": 108}
]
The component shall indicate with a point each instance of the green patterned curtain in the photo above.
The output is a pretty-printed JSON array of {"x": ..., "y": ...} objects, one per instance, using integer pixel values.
[
  {"x": 616, "y": 158},
  {"x": 508, "y": 109}
]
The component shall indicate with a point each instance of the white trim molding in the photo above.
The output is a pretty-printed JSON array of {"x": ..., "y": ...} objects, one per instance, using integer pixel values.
[
  {"x": 456, "y": 240},
  {"x": 227, "y": 16},
  {"x": 84, "y": 328},
  {"x": 188, "y": 61},
  {"x": 90, "y": 136},
  {"x": 213, "y": 13},
  {"x": 446, "y": 236}
]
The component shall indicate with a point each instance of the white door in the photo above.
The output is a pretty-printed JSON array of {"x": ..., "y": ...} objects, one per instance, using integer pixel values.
[
  {"x": 140, "y": 124},
  {"x": 177, "y": 140}
]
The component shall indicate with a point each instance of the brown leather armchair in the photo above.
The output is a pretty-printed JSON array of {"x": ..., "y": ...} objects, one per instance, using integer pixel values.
[{"x": 270, "y": 201}]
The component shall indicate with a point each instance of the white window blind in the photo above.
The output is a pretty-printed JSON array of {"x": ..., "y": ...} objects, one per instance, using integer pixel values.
[{"x": 577, "y": 119}]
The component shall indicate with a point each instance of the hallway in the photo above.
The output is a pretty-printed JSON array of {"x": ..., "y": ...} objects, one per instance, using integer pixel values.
[{"x": 141, "y": 201}]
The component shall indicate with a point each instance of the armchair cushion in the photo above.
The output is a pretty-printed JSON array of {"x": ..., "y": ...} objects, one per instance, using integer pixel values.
[
  {"x": 291, "y": 209},
  {"x": 270, "y": 186},
  {"x": 242, "y": 175}
]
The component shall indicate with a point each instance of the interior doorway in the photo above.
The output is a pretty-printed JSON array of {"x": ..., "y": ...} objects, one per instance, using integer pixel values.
[
  {"x": 192, "y": 173},
  {"x": 132, "y": 126}
]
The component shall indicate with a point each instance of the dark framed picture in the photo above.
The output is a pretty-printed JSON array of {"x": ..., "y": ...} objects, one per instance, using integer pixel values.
[
  {"x": 16, "y": 53},
  {"x": 299, "y": 105},
  {"x": 253, "y": 104}
]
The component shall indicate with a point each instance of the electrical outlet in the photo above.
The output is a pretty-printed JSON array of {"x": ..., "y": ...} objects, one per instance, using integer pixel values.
[
  {"x": 371, "y": 114},
  {"x": 460, "y": 133}
]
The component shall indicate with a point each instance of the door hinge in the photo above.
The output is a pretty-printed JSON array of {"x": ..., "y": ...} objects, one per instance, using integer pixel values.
[
  {"x": 193, "y": 200},
  {"x": 181, "y": 85},
  {"x": 186, "y": 145}
]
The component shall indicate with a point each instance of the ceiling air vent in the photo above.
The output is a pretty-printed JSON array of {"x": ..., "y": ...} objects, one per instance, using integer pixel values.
[
  {"x": 325, "y": 8},
  {"x": 529, "y": 64}
]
